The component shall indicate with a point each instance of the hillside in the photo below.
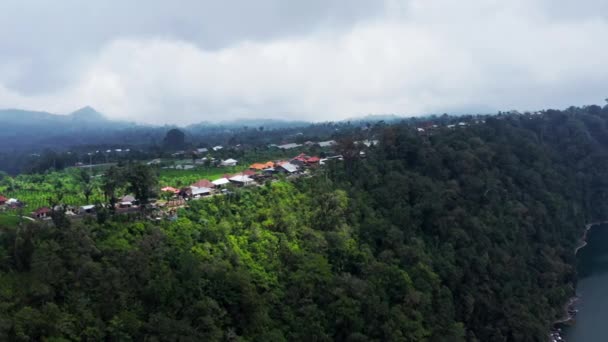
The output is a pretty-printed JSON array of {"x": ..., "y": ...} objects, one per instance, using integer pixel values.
[{"x": 462, "y": 234}]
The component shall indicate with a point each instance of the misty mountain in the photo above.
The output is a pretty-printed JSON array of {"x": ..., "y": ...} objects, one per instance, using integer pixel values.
[
  {"x": 23, "y": 129},
  {"x": 37, "y": 130}
]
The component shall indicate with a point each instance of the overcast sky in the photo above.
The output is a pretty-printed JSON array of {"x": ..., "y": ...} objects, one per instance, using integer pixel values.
[{"x": 194, "y": 60}]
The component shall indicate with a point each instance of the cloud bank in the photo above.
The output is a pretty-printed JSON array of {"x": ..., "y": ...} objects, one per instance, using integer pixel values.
[{"x": 324, "y": 61}]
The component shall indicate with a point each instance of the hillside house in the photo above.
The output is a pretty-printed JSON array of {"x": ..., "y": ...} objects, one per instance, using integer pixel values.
[
  {"x": 221, "y": 182},
  {"x": 203, "y": 183},
  {"x": 170, "y": 189},
  {"x": 185, "y": 192},
  {"x": 218, "y": 147},
  {"x": 327, "y": 143},
  {"x": 127, "y": 202},
  {"x": 288, "y": 146},
  {"x": 13, "y": 202},
  {"x": 257, "y": 166},
  {"x": 42, "y": 213},
  {"x": 300, "y": 160},
  {"x": 199, "y": 192},
  {"x": 3, "y": 200},
  {"x": 313, "y": 160},
  {"x": 241, "y": 180},
  {"x": 87, "y": 209},
  {"x": 287, "y": 168},
  {"x": 229, "y": 162}
]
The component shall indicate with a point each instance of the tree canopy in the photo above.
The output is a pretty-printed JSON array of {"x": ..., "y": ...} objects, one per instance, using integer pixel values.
[{"x": 462, "y": 234}]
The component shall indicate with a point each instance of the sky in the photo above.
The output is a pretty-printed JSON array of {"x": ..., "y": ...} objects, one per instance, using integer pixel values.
[{"x": 189, "y": 61}]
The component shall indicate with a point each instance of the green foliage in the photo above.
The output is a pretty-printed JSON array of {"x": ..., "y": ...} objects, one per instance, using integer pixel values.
[{"x": 464, "y": 234}]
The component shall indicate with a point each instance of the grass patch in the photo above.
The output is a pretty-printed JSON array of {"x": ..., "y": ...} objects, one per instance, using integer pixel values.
[{"x": 8, "y": 220}]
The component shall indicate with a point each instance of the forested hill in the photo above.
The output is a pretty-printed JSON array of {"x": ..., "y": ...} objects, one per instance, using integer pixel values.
[{"x": 461, "y": 234}]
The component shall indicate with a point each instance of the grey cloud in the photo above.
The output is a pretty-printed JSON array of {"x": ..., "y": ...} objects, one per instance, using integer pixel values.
[
  {"x": 46, "y": 37},
  {"x": 317, "y": 60}
]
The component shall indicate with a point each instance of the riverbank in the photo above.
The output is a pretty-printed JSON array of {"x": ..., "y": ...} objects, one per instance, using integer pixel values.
[{"x": 569, "y": 309}]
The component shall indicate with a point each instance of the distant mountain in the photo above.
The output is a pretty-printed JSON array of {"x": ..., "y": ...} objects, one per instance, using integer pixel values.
[
  {"x": 87, "y": 114},
  {"x": 32, "y": 129},
  {"x": 35, "y": 118}
]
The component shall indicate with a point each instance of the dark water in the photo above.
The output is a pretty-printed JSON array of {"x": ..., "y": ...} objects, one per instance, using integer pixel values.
[{"x": 592, "y": 288}]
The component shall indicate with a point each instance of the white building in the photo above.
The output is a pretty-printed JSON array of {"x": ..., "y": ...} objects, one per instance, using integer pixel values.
[{"x": 229, "y": 162}]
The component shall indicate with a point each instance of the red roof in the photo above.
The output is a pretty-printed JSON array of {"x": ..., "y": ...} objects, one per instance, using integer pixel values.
[
  {"x": 203, "y": 183},
  {"x": 43, "y": 210},
  {"x": 302, "y": 157},
  {"x": 248, "y": 173},
  {"x": 3, "y": 199},
  {"x": 312, "y": 160}
]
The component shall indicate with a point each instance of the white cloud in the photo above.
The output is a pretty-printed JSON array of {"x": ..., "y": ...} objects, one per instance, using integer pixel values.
[{"x": 420, "y": 57}]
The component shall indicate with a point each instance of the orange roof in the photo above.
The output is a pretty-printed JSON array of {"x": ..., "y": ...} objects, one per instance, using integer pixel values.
[
  {"x": 257, "y": 166},
  {"x": 170, "y": 189}
]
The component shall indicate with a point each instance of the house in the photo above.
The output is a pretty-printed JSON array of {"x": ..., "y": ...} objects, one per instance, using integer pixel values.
[
  {"x": 300, "y": 160},
  {"x": 221, "y": 182},
  {"x": 154, "y": 162},
  {"x": 13, "y": 202},
  {"x": 202, "y": 150},
  {"x": 218, "y": 147},
  {"x": 287, "y": 168},
  {"x": 87, "y": 209},
  {"x": 185, "y": 192},
  {"x": 3, "y": 200},
  {"x": 42, "y": 213},
  {"x": 170, "y": 189},
  {"x": 327, "y": 143},
  {"x": 420, "y": 130},
  {"x": 126, "y": 202},
  {"x": 258, "y": 166},
  {"x": 288, "y": 146},
  {"x": 369, "y": 143},
  {"x": 261, "y": 166},
  {"x": 229, "y": 162},
  {"x": 199, "y": 192},
  {"x": 241, "y": 180},
  {"x": 313, "y": 160},
  {"x": 67, "y": 209},
  {"x": 203, "y": 183}
]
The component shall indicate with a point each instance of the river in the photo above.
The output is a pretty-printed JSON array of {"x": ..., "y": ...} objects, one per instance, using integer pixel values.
[{"x": 591, "y": 322}]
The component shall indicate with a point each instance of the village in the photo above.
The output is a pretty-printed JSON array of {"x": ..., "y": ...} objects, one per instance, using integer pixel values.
[{"x": 170, "y": 197}]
